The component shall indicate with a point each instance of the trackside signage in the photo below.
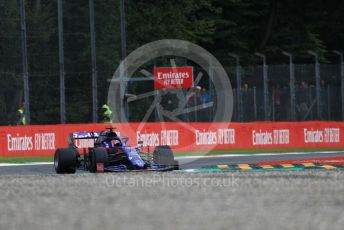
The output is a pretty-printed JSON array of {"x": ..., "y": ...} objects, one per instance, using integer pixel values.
[
  {"x": 164, "y": 137},
  {"x": 42, "y": 140},
  {"x": 173, "y": 77},
  {"x": 271, "y": 137},
  {"x": 216, "y": 137},
  {"x": 37, "y": 141}
]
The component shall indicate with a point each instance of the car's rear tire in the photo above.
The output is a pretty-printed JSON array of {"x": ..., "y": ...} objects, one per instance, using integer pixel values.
[
  {"x": 163, "y": 155},
  {"x": 65, "y": 160},
  {"x": 96, "y": 156}
]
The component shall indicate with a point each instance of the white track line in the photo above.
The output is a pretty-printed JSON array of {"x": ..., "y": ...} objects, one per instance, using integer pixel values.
[
  {"x": 254, "y": 154},
  {"x": 25, "y": 164}
]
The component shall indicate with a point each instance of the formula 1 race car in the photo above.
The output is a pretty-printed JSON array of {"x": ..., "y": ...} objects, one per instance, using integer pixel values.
[{"x": 111, "y": 153}]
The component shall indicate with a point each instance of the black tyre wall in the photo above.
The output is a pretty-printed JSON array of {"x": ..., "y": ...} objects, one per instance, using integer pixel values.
[
  {"x": 67, "y": 160},
  {"x": 163, "y": 155},
  {"x": 97, "y": 155}
]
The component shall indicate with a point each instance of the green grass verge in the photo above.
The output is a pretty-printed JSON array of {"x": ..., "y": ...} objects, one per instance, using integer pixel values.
[
  {"x": 25, "y": 159},
  {"x": 195, "y": 153}
]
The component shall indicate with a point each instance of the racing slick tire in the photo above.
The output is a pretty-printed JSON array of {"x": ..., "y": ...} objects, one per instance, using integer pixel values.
[
  {"x": 97, "y": 156},
  {"x": 65, "y": 161},
  {"x": 163, "y": 155}
]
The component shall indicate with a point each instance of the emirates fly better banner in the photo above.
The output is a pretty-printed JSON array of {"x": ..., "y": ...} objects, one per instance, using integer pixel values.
[
  {"x": 40, "y": 140},
  {"x": 173, "y": 77}
]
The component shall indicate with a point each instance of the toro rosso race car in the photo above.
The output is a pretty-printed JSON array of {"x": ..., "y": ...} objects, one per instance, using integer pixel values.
[{"x": 111, "y": 153}]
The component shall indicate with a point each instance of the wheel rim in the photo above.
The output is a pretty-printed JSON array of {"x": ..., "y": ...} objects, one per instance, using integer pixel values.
[{"x": 56, "y": 162}]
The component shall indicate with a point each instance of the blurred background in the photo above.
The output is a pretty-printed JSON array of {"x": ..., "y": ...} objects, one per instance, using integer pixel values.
[{"x": 284, "y": 58}]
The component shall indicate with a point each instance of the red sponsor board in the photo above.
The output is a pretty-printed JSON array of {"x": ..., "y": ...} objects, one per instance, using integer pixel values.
[
  {"x": 173, "y": 77},
  {"x": 42, "y": 140}
]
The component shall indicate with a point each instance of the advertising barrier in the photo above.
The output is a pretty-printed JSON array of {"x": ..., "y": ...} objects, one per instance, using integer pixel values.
[{"x": 42, "y": 140}]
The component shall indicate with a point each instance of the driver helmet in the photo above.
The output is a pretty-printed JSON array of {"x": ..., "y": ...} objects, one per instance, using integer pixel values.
[{"x": 116, "y": 143}]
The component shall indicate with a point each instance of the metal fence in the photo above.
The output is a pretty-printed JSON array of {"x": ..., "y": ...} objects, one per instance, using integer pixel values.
[
  {"x": 288, "y": 99},
  {"x": 249, "y": 101}
]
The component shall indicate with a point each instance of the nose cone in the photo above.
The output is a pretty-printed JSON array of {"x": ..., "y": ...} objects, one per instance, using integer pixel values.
[{"x": 135, "y": 159}]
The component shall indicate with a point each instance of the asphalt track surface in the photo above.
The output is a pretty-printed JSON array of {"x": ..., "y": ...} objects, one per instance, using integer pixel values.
[
  {"x": 309, "y": 199},
  {"x": 36, "y": 198},
  {"x": 187, "y": 163}
]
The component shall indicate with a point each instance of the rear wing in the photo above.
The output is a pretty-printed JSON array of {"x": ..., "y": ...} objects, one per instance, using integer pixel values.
[
  {"x": 90, "y": 136},
  {"x": 85, "y": 135},
  {"x": 80, "y": 136}
]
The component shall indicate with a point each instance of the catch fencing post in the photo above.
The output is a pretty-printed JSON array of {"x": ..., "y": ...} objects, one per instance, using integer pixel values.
[
  {"x": 265, "y": 82},
  {"x": 238, "y": 85},
  {"x": 340, "y": 54},
  {"x": 211, "y": 93},
  {"x": 292, "y": 85},
  {"x": 123, "y": 32},
  {"x": 255, "y": 103},
  {"x": 25, "y": 63},
  {"x": 123, "y": 70},
  {"x": 61, "y": 63},
  {"x": 273, "y": 104},
  {"x": 236, "y": 114},
  {"x": 94, "y": 64},
  {"x": 317, "y": 81},
  {"x": 328, "y": 103}
]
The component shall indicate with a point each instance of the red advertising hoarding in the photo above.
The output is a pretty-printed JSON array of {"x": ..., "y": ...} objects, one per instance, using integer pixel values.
[
  {"x": 40, "y": 140},
  {"x": 173, "y": 77}
]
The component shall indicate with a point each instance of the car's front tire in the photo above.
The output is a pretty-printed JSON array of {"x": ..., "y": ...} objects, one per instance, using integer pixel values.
[
  {"x": 65, "y": 161},
  {"x": 163, "y": 155},
  {"x": 97, "y": 156}
]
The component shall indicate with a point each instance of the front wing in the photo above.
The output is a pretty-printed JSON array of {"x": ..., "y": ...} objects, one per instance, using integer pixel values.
[{"x": 121, "y": 168}]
